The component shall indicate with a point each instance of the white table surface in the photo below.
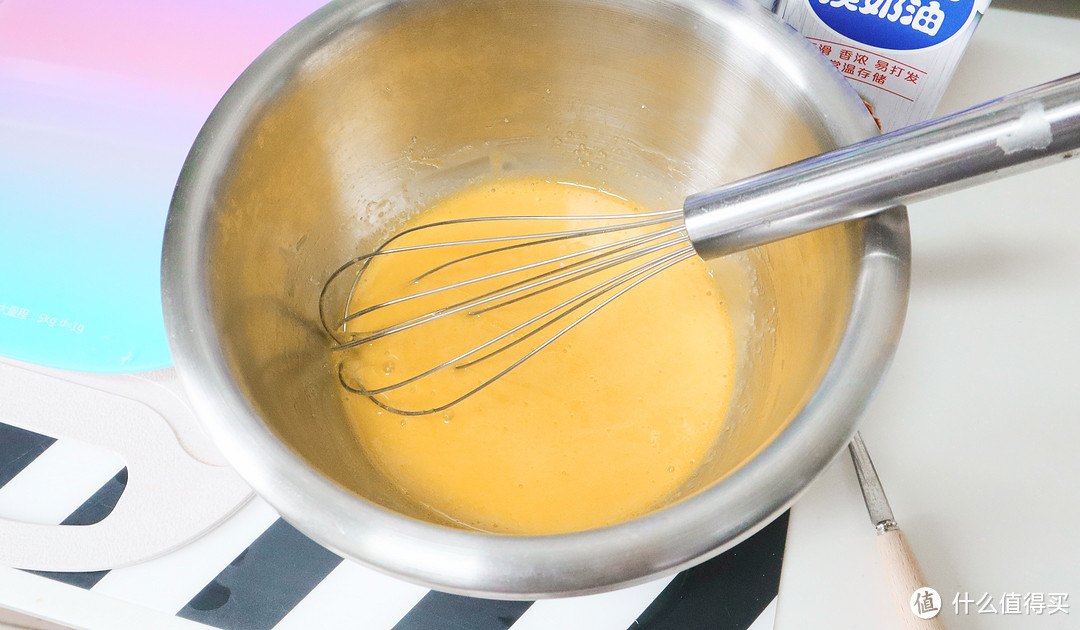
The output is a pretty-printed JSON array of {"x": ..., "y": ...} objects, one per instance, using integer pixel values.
[{"x": 976, "y": 427}]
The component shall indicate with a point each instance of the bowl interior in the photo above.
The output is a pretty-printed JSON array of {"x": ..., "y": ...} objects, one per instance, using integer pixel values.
[{"x": 380, "y": 117}]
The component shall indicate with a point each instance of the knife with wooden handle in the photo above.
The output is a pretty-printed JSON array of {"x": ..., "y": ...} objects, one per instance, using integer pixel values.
[{"x": 907, "y": 585}]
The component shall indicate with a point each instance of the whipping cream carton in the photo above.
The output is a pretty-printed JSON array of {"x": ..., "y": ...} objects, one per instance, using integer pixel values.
[{"x": 898, "y": 54}]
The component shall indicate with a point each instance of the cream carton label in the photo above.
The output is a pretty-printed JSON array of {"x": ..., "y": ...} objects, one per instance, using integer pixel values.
[
  {"x": 895, "y": 24},
  {"x": 898, "y": 54}
]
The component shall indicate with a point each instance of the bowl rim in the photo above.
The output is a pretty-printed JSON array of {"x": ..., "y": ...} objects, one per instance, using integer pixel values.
[{"x": 525, "y": 567}]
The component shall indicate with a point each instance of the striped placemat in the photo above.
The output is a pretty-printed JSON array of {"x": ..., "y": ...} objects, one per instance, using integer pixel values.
[{"x": 257, "y": 572}]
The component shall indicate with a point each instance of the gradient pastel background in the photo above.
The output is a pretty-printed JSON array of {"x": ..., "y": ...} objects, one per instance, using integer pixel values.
[{"x": 99, "y": 104}]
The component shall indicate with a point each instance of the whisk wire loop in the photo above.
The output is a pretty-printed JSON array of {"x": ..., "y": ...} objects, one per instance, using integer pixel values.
[
  {"x": 558, "y": 276},
  {"x": 662, "y": 248},
  {"x": 588, "y": 296},
  {"x": 613, "y": 247},
  {"x": 651, "y": 218},
  {"x": 633, "y": 278}
]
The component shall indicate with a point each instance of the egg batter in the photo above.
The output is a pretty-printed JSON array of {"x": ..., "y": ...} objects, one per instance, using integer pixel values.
[{"x": 600, "y": 426}]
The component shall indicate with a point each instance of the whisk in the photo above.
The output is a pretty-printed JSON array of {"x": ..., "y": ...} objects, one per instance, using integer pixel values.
[{"x": 614, "y": 253}]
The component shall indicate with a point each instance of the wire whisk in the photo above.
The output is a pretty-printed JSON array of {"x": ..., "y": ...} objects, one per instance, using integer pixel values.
[
  {"x": 596, "y": 264},
  {"x": 604, "y": 269}
]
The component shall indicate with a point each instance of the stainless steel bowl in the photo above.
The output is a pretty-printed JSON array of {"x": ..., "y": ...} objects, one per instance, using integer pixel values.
[{"x": 368, "y": 110}]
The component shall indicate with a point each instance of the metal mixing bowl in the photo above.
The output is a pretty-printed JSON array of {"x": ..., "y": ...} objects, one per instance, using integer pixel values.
[{"x": 369, "y": 110}]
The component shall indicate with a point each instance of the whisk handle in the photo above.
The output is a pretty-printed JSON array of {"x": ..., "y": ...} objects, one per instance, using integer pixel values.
[{"x": 1009, "y": 135}]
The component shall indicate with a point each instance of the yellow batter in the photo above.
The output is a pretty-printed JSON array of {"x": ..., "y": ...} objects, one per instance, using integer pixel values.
[{"x": 595, "y": 429}]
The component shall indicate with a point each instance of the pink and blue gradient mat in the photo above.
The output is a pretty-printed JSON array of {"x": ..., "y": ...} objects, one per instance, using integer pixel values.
[{"x": 99, "y": 104}]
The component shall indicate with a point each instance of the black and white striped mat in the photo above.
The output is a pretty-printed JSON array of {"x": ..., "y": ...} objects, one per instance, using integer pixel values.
[{"x": 256, "y": 572}]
